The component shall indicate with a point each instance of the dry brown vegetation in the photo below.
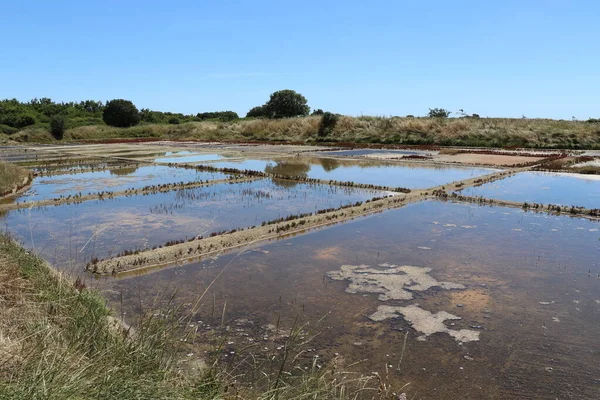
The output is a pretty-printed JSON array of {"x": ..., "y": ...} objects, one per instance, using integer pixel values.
[
  {"x": 488, "y": 132},
  {"x": 12, "y": 178}
]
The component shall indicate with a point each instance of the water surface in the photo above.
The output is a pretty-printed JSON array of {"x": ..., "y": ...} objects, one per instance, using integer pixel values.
[
  {"x": 543, "y": 187},
  {"x": 112, "y": 180},
  {"x": 103, "y": 228},
  {"x": 531, "y": 290},
  {"x": 365, "y": 172}
]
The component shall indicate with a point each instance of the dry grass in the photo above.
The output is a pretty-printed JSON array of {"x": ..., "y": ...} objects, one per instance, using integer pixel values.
[
  {"x": 486, "y": 132},
  {"x": 12, "y": 177}
]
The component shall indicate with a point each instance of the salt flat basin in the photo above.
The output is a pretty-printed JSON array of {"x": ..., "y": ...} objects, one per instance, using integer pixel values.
[
  {"x": 76, "y": 232},
  {"x": 188, "y": 157},
  {"x": 530, "y": 291},
  {"x": 543, "y": 187},
  {"x": 364, "y": 172},
  {"x": 376, "y": 152},
  {"x": 50, "y": 187}
]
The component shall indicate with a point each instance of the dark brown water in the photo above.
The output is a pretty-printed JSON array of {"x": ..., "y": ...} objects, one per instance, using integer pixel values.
[{"x": 532, "y": 291}]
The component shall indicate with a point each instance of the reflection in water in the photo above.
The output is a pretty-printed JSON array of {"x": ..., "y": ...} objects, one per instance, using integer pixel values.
[
  {"x": 50, "y": 187},
  {"x": 106, "y": 227},
  {"x": 535, "y": 308},
  {"x": 123, "y": 171},
  {"x": 365, "y": 172},
  {"x": 329, "y": 164},
  {"x": 288, "y": 168}
]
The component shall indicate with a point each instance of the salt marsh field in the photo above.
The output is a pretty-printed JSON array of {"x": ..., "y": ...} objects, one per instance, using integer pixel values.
[{"x": 390, "y": 261}]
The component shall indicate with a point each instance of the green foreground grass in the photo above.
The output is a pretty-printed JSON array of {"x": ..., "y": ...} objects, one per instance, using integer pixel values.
[
  {"x": 483, "y": 132},
  {"x": 59, "y": 341}
]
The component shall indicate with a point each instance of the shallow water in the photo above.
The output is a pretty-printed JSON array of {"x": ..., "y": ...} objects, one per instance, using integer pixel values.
[
  {"x": 532, "y": 293},
  {"x": 101, "y": 228},
  {"x": 543, "y": 187},
  {"x": 193, "y": 157},
  {"x": 118, "y": 179},
  {"x": 76, "y": 168},
  {"x": 366, "y": 152},
  {"x": 365, "y": 172}
]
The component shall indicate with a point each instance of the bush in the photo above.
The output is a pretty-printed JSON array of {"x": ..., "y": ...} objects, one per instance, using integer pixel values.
[
  {"x": 17, "y": 120},
  {"x": 224, "y": 116},
  {"x": 286, "y": 103},
  {"x": 318, "y": 111},
  {"x": 257, "y": 112},
  {"x": 173, "y": 121},
  {"x": 438, "y": 113},
  {"x": 328, "y": 122},
  {"x": 7, "y": 130},
  {"x": 57, "y": 127},
  {"x": 121, "y": 113}
]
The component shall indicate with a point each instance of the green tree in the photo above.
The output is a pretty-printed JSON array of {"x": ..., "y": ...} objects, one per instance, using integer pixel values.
[
  {"x": 286, "y": 103},
  {"x": 57, "y": 127},
  {"x": 257, "y": 112},
  {"x": 438, "y": 113},
  {"x": 328, "y": 122},
  {"x": 121, "y": 113}
]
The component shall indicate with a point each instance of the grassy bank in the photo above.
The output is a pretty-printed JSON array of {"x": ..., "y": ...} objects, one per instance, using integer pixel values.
[
  {"x": 486, "y": 132},
  {"x": 12, "y": 177},
  {"x": 57, "y": 342}
]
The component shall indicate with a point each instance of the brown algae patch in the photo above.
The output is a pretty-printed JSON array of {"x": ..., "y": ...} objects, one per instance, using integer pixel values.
[
  {"x": 425, "y": 322},
  {"x": 474, "y": 300},
  {"x": 390, "y": 281},
  {"x": 328, "y": 253}
]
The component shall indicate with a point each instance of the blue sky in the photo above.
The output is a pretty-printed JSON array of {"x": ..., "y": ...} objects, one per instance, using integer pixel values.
[{"x": 539, "y": 58}]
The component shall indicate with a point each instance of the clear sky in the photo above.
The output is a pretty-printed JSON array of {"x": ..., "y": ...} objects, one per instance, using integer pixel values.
[{"x": 508, "y": 58}]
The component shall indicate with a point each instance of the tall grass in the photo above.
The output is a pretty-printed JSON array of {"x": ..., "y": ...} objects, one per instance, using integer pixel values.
[
  {"x": 486, "y": 132},
  {"x": 11, "y": 177},
  {"x": 58, "y": 342}
]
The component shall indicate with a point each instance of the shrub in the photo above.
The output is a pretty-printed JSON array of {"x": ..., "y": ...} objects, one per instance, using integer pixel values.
[
  {"x": 318, "y": 111},
  {"x": 121, "y": 113},
  {"x": 438, "y": 113},
  {"x": 257, "y": 112},
  {"x": 224, "y": 116},
  {"x": 328, "y": 122},
  {"x": 17, "y": 120},
  {"x": 173, "y": 121},
  {"x": 57, "y": 127},
  {"x": 286, "y": 103},
  {"x": 8, "y": 130}
]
